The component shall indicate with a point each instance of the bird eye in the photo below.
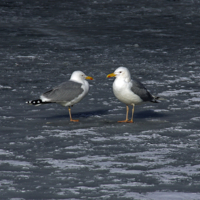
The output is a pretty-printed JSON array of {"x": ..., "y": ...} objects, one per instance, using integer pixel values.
[{"x": 120, "y": 72}]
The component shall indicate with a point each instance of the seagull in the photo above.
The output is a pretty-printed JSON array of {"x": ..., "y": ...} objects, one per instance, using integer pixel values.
[
  {"x": 130, "y": 92},
  {"x": 67, "y": 93}
]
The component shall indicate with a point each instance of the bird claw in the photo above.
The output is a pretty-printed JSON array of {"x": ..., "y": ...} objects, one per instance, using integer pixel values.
[
  {"x": 74, "y": 120},
  {"x": 125, "y": 121}
]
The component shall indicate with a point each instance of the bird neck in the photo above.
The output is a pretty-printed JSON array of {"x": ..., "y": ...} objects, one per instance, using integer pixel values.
[
  {"x": 125, "y": 79},
  {"x": 76, "y": 79}
]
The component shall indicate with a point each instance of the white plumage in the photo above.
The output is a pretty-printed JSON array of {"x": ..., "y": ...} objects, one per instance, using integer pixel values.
[{"x": 128, "y": 91}]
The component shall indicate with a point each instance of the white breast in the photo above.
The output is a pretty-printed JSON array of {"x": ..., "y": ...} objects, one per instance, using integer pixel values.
[{"x": 122, "y": 90}]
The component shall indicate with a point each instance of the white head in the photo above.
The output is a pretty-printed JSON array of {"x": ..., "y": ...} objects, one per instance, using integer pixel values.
[
  {"x": 79, "y": 76},
  {"x": 121, "y": 72}
]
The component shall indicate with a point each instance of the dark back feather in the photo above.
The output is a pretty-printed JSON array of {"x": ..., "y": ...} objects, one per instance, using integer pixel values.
[{"x": 139, "y": 89}]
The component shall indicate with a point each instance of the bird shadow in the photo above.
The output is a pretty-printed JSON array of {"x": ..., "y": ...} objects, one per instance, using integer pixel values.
[
  {"x": 149, "y": 114},
  {"x": 84, "y": 114}
]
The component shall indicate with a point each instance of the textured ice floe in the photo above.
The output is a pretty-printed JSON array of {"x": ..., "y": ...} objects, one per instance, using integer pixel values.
[
  {"x": 5, "y": 87},
  {"x": 4, "y": 182},
  {"x": 63, "y": 164},
  {"x": 163, "y": 196},
  {"x": 194, "y": 99},
  {"x": 174, "y": 92},
  {"x": 123, "y": 171},
  {"x": 4, "y": 152},
  {"x": 16, "y": 163},
  {"x": 26, "y": 57},
  {"x": 195, "y": 118},
  {"x": 66, "y": 133},
  {"x": 39, "y": 137}
]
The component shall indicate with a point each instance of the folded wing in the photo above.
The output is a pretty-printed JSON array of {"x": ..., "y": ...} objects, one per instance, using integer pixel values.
[
  {"x": 66, "y": 91},
  {"x": 139, "y": 89}
]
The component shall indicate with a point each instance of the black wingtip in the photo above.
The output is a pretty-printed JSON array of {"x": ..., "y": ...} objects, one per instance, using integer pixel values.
[
  {"x": 154, "y": 101},
  {"x": 34, "y": 102},
  {"x": 157, "y": 99}
]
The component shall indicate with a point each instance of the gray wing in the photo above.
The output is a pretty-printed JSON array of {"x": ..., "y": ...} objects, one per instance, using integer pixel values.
[
  {"x": 66, "y": 91},
  {"x": 139, "y": 89}
]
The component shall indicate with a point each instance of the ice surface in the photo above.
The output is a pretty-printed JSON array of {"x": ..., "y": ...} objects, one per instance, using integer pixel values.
[{"x": 45, "y": 156}]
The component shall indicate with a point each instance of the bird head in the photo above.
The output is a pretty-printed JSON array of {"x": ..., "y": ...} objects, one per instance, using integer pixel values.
[
  {"x": 120, "y": 72},
  {"x": 79, "y": 75}
]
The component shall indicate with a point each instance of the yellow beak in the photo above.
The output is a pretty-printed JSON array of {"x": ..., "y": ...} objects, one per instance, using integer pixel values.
[
  {"x": 111, "y": 75},
  {"x": 89, "y": 77}
]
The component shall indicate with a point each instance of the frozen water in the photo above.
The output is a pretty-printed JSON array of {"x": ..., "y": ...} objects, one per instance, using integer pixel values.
[{"x": 44, "y": 156}]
